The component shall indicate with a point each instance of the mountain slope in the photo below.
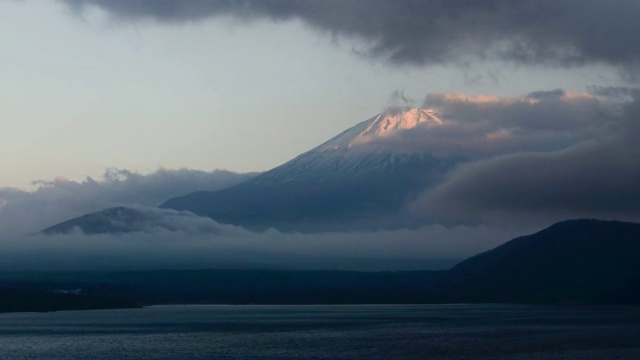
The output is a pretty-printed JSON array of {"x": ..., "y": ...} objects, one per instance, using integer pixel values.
[
  {"x": 572, "y": 261},
  {"x": 334, "y": 185},
  {"x": 349, "y": 182}
]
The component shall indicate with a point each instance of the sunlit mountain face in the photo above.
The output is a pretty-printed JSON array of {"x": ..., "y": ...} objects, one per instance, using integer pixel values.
[
  {"x": 356, "y": 180},
  {"x": 353, "y": 180}
]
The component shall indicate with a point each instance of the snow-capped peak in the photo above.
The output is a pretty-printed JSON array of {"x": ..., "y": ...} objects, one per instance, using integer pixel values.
[
  {"x": 382, "y": 125},
  {"x": 388, "y": 122}
]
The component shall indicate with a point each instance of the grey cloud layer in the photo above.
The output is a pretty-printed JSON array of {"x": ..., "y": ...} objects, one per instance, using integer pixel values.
[
  {"x": 61, "y": 199},
  {"x": 171, "y": 239},
  {"x": 597, "y": 178},
  {"x": 559, "y": 33}
]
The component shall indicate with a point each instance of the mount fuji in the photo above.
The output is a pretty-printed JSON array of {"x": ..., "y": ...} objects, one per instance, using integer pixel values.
[{"x": 351, "y": 181}]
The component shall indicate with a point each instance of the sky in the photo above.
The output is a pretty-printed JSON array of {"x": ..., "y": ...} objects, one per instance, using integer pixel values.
[
  {"x": 123, "y": 102},
  {"x": 91, "y": 85}
]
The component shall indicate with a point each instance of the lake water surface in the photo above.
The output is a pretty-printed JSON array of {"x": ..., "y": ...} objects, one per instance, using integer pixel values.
[{"x": 326, "y": 332}]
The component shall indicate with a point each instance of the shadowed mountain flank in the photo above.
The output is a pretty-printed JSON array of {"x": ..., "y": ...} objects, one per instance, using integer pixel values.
[{"x": 337, "y": 184}]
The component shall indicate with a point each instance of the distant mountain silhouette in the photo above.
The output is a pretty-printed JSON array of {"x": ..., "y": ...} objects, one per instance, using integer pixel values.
[
  {"x": 113, "y": 221},
  {"x": 118, "y": 220}
]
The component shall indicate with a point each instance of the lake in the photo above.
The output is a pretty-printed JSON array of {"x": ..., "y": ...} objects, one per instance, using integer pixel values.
[{"x": 326, "y": 332}]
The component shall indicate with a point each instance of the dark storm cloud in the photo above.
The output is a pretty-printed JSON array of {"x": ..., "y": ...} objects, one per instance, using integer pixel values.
[
  {"x": 546, "y": 94},
  {"x": 61, "y": 199},
  {"x": 559, "y": 33},
  {"x": 619, "y": 93},
  {"x": 597, "y": 178}
]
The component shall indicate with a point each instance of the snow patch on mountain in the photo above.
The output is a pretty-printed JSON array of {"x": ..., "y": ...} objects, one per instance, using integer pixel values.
[{"x": 386, "y": 123}]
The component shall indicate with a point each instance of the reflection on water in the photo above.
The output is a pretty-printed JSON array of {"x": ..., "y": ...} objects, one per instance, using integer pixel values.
[{"x": 326, "y": 332}]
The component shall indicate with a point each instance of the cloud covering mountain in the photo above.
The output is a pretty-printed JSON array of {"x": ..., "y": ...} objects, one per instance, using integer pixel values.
[
  {"x": 61, "y": 199},
  {"x": 170, "y": 239}
]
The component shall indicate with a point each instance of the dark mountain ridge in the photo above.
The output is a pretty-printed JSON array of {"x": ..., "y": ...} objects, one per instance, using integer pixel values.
[{"x": 582, "y": 260}]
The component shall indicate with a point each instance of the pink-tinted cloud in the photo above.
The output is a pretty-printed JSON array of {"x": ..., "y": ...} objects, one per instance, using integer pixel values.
[{"x": 476, "y": 127}]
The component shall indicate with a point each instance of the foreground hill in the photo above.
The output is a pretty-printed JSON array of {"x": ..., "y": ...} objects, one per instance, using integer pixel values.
[{"x": 590, "y": 261}]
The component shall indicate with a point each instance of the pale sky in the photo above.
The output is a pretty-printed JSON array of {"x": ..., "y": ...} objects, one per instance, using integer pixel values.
[{"x": 81, "y": 93}]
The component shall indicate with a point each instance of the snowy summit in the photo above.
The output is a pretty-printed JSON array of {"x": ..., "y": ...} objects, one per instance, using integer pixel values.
[{"x": 383, "y": 124}]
